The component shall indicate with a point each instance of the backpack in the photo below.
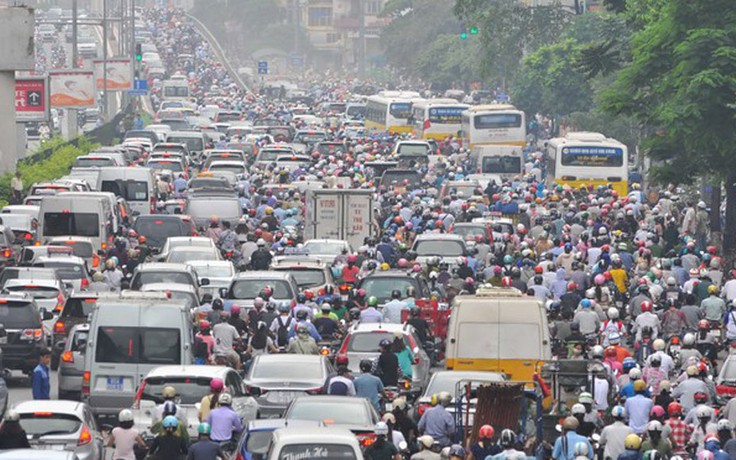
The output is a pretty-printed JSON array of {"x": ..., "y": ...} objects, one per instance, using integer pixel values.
[
  {"x": 200, "y": 348},
  {"x": 282, "y": 334}
]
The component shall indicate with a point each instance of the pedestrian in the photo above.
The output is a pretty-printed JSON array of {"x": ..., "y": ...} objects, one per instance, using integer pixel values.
[
  {"x": 41, "y": 380},
  {"x": 12, "y": 435}
]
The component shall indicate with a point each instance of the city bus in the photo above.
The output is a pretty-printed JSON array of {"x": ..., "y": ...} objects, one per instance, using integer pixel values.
[
  {"x": 437, "y": 118},
  {"x": 390, "y": 111},
  {"x": 587, "y": 158},
  {"x": 493, "y": 124}
]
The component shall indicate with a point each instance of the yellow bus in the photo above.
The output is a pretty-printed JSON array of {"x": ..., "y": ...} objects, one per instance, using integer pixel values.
[
  {"x": 390, "y": 111},
  {"x": 587, "y": 158},
  {"x": 437, "y": 118},
  {"x": 493, "y": 124}
]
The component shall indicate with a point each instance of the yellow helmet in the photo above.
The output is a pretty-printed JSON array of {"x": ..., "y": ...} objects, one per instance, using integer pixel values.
[
  {"x": 712, "y": 289},
  {"x": 385, "y": 266},
  {"x": 632, "y": 442}
]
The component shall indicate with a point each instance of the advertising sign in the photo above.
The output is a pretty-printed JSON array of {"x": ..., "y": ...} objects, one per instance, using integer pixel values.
[
  {"x": 31, "y": 99},
  {"x": 119, "y": 75},
  {"x": 72, "y": 89}
]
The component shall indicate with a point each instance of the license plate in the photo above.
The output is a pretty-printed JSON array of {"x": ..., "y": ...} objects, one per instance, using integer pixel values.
[
  {"x": 281, "y": 397},
  {"x": 115, "y": 384}
]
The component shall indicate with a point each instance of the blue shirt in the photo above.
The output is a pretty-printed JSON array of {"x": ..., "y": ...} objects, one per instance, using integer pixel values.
[
  {"x": 312, "y": 331},
  {"x": 41, "y": 382},
  {"x": 439, "y": 424},
  {"x": 224, "y": 420},
  {"x": 569, "y": 452},
  {"x": 369, "y": 386}
]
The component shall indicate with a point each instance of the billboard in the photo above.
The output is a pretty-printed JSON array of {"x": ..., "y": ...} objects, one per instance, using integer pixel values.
[
  {"x": 31, "y": 99},
  {"x": 119, "y": 75},
  {"x": 72, "y": 89}
]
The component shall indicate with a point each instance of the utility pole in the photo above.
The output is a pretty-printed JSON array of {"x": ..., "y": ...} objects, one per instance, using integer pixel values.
[
  {"x": 104, "y": 58},
  {"x": 361, "y": 39},
  {"x": 75, "y": 38}
]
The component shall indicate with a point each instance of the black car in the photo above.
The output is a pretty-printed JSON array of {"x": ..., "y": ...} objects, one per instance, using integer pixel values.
[
  {"x": 25, "y": 333},
  {"x": 76, "y": 311},
  {"x": 157, "y": 227}
]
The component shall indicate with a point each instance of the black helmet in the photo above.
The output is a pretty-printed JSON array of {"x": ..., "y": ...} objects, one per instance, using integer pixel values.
[
  {"x": 395, "y": 294},
  {"x": 415, "y": 312},
  {"x": 354, "y": 313},
  {"x": 207, "y": 298},
  {"x": 366, "y": 365},
  {"x": 385, "y": 343},
  {"x": 217, "y": 304},
  {"x": 507, "y": 439},
  {"x": 301, "y": 314},
  {"x": 575, "y": 326}
]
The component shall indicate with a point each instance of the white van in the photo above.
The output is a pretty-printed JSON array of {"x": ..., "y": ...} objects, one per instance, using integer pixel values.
[
  {"x": 496, "y": 162},
  {"x": 194, "y": 140},
  {"x": 131, "y": 334},
  {"x": 499, "y": 330},
  {"x": 118, "y": 219},
  {"x": 135, "y": 184},
  {"x": 69, "y": 214}
]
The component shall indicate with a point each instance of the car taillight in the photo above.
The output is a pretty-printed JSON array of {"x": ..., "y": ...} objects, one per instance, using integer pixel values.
[
  {"x": 32, "y": 334},
  {"x": 366, "y": 439},
  {"x": 67, "y": 357},
  {"x": 28, "y": 236},
  {"x": 725, "y": 390},
  {"x": 315, "y": 391},
  {"x": 417, "y": 359},
  {"x": 104, "y": 245},
  {"x": 59, "y": 327},
  {"x": 59, "y": 304},
  {"x": 85, "y": 437},
  {"x": 324, "y": 351},
  {"x": 153, "y": 205},
  {"x": 422, "y": 408},
  {"x": 85, "y": 283},
  {"x": 238, "y": 456},
  {"x": 7, "y": 253},
  {"x": 86, "y": 378},
  {"x": 138, "y": 395},
  {"x": 255, "y": 390},
  {"x": 95, "y": 261}
]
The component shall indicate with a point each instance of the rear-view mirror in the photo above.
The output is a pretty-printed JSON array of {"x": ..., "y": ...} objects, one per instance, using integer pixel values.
[
  {"x": 204, "y": 282},
  {"x": 223, "y": 293}
]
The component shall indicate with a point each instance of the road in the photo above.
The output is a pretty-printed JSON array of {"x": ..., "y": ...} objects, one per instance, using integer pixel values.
[{"x": 19, "y": 388}]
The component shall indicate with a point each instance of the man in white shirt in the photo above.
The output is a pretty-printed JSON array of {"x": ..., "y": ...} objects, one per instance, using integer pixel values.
[
  {"x": 341, "y": 384},
  {"x": 226, "y": 336}
]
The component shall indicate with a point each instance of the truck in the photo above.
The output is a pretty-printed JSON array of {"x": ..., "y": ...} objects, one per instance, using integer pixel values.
[{"x": 340, "y": 214}]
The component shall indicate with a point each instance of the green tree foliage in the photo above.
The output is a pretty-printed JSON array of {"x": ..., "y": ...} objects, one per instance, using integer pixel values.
[{"x": 682, "y": 81}]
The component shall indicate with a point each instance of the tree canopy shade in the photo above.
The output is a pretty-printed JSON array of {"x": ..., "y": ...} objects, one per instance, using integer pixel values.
[{"x": 682, "y": 84}]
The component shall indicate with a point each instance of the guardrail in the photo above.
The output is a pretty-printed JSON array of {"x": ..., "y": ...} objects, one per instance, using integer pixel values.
[{"x": 207, "y": 35}]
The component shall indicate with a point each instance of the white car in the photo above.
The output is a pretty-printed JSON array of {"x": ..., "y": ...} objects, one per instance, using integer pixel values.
[
  {"x": 176, "y": 241},
  {"x": 219, "y": 272}
]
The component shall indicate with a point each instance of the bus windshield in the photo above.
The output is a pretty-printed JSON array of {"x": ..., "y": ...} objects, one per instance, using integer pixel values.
[
  {"x": 497, "y": 120},
  {"x": 176, "y": 91},
  {"x": 400, "y": 109},
  {"x": 592, "y": 156}
]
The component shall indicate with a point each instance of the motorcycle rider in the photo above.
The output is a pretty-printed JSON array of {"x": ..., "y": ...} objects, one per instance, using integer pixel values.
[
  {"x": 614, "y": 435},
  {"x": 168, "y": 446},
  {"x": 224, "y": 421},
  {"x": 387, "y": 366},
  {"x": 205, "y": 448},
  {"x": 303, "y": 343},
  {"x": 437, "y": 422},
  {"x": 564, "y": 447}
]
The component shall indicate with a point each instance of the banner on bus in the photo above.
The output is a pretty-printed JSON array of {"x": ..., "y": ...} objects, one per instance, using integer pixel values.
[{"x": 592, "y": 156}]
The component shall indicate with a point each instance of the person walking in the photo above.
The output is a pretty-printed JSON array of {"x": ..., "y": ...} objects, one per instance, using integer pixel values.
[{"x": 41, "y": 379}]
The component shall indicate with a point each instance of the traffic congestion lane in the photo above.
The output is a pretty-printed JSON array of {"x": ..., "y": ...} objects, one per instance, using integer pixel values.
[{"x": 19, "y": 388}]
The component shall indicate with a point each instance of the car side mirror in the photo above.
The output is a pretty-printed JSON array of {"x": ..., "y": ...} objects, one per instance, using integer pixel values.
[
  {"x": 223, "y": 293},
  {"x": 46, "y": 315},
  {"x": 254, "y": 391},
  {"x": 204, "y": 282}
]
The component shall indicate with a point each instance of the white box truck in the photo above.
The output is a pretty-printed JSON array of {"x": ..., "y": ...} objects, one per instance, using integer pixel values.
[{"x": 340, "y": 214}]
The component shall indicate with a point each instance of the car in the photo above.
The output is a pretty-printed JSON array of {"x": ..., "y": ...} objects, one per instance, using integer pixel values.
[
  {"x": 276, "y": 379},
  {"x": 268, "y": 154},
  {"x": 183, "y": 254},
  {"x": 444, "y": 246},
  {"x": 726, "y": 379},
  {"x": 362, "y": 342},
  {"x": 162, "y": 272},
  {"x": 462, "y": 189},
  {"x": 355, "y": 414},
  {"x": 158, "y": 227},
  {"x": 326, "y": 249},
  {"x": 220, "y": 274},
  {"x": 72, "y": 270},
  {"x": 27, "y": 273},
  {"x": 192, "y": 383},
  {"x": 31, "y": 210},
  {"x": 28, "y": 255},
  {"x": 309, "y": 272},
  {"x": 256, "y": 437},
  {"x": 246, "y": 286},
  {"x": 71, "y": 363},
  {"x": 381, "y": 284},
  {"x": 26, "y": 336},
  {"x": 76, "y": 311},
  {"x": 469, "y": 231},
  {"x": 61, "y": 425},
  {"x": 35, "y": 454},
  {"x": 7, "y": 252},
  {"x": 327, "y": 441},
  {"x": 209, "y": 182},
  {"x": 448, "y": 381},
  {"x": 293, "y": 162},
  {"x": 237, "y": 166},
  {"x": 81, "y": 247},
  {"x": 176, "y": 291},
  {"x": 204, "y": 204},
  {"x": 48, "y": 294},
  {"x": 23, "y": 227}
]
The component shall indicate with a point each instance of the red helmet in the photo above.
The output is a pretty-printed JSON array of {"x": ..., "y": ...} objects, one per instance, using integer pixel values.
[
  {"x": 607, "y": 275},
  {"x": 216, "y": 385},
  {"x": 642, "y": 282},
  {"x": 538, "y": 270},
  {"x": 352, "y": 258},
  {"x": 506, "y": 281},
  {"x": 610, "y": 352},
  {"x": 712, "y": 250},
  {"x": 309, "y": 294},
  {"x": 486, "y": 432},
  {"x": 646, "y": 306},
  {"x": 571, "y": 286},
  {"x": 700, "y": 397},
  {"x": 605, "y": 248},
  {"x": 704, "y": 324},
  {"x": 674, "y": 408},
  {"x": 341, "y": 359},
  {"x": 204, "y": 325}
]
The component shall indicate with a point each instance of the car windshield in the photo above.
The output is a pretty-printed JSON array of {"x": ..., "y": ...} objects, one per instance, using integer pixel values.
[
  {"x": 209, "y": 182},
  {"x": 194, "y": 144},
  {"x": 174, "y": 166},
  {"x": 467, "y": 230},
  {"x": 82, "y": 249},
  {"x": 157, "y": 230},
  {"x": 308, "y": 277},
  {"x": 79, "y": 307},
  {"x": 48, "y": 423},
  {"x": 413, "y": 149},
  {"x": 213, "y": 271},
  {"x": 337, "y": 413},
  {"x": 189, "y": 390},
  {"x": 381, "y": 287},
  {"x": 16, "y": 221},
  {"x": 143, "y": 345},
  {"x": 321, "y": 247},
  {"x": 37, "y": 292},
  {"x": 442, "y": 248},
  {"x": 272, "y": 155},
  {"x": 151, "y": 277},
  {"x": 96, "y": 161},
  {"x": 465, "y": 191},
  {"x": 249, "y": 289},
  {"x": 18, "y": 315},
  {"x": 66, "y": 270},
  {"x": 236, "y": 168},
  {"x": 206, "y": 207},
  {"x": 183, "y": 255},
  {"x": 71, "y": 223},
  {"x": 259, "y": 442},
  {"x": 368, "y": 342},
  {"x": 319, "y": 451},
  {"x": 280, "y": 371},
  {"x": 501, "y": 165}
]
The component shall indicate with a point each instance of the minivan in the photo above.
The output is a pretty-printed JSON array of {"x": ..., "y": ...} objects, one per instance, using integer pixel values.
[
  {"x": 499, "y": 330},
  {"x": 194, "y": 141},
  {"x": 122, "y": 348},
  {"x": 69, "y": 214},
  {"x": 135, "y": 184},
  {"x": 118, "y": 217}
]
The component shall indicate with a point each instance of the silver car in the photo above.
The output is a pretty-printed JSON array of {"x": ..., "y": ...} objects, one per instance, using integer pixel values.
[
  {"x": 71, "y": 363},
  {"x": 61, "y": 425}
]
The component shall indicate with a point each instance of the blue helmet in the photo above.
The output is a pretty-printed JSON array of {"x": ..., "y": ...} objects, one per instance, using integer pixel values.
[
  {"x": 170, "y": 422},
  {"x": 628, "y": 363},
  {"x": 585, "y": 303}
]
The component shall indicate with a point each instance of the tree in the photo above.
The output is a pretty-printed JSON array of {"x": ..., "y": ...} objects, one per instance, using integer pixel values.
[{"x": 682, "y": 83}]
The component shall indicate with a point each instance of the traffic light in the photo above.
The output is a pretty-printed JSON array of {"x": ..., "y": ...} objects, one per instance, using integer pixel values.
[
  {"x": 473, "y": 31},
  {"x": 138, "y": 52},
  {"x": 464, "y": 35}
]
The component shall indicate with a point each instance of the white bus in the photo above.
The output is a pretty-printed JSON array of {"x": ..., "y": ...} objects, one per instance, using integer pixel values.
[
  {"x": 437, "y": 118},
  {"x": 175, "y": 89},
  {"x": 586, "y": 158},
  {"x": 390, "y": 111},
  {"x": 493, "y": 124}
]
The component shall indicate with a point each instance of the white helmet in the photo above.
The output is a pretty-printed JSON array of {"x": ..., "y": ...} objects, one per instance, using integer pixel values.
[
  {"x": 596, "y": 352},
  {"x": 125, "y": 415},
  {"x": 381, "y": 429},
  {"x": 671, "y": 281},
  {"x": 658, "y": 345},
  {"x": 635, "y": 373},
  {"x": 688, "y": 339},
  {"x": 261, "y": 242},
  {"x": 577, "y": 409},
  {"x": 225, "y": 399},
  {"x": 725, "y": 425},
  {"x": 654, "y": 425},
  {"x": 612, "y": 313},
  {"x": 585, "y": 397},
  {"x": 703, "y": 411}
]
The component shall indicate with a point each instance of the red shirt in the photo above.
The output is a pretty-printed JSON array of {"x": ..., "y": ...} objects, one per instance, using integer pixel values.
[{"x": 349, "y": 273}]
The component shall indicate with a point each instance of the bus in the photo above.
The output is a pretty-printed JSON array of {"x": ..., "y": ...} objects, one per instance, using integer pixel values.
[
  {"x": 493, "y": 124},
  {"x": 437, "y": 118},
  {"x": 390, "y": 111},
  {"x": 587, "y": 158},
  {"x": 175, "y": 89}
]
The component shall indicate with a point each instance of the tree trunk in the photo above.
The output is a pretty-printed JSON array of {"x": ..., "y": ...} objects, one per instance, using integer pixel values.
[
  {"x": 729, "y": 236},
  {"x": 715, "y": 214}
]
